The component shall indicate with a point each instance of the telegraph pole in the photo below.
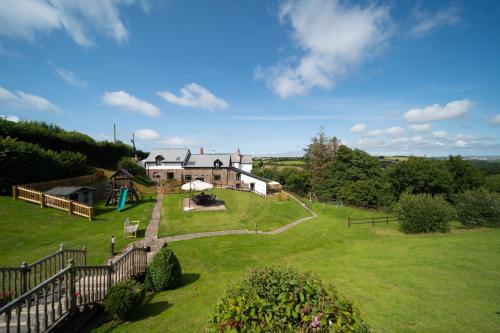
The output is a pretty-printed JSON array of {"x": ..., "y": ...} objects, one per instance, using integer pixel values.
[{"x": 114, "y": 132}]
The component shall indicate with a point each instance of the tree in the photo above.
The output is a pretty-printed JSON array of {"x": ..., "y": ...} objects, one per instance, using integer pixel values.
[
  {"x": 319, "y": 154},
  {"x": 420, "y": 175},
  {"x": 356, "y": 177},
  {"x": 466, "y": 176}
]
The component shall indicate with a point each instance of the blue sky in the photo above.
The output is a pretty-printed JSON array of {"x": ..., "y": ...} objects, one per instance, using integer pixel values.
[{"x": 395, "y": 77}]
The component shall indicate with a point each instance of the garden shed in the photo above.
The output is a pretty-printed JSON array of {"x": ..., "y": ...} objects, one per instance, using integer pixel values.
[{"x": 82, "y": 194}]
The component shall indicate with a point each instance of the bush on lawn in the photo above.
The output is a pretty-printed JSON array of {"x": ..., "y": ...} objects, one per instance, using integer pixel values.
[
  {"x": 131, "y": 165},
  {"x": 423, "y": 213},
  {"x": 479, "y": 208},
  {"x": 282, "y": 300},
  {"x": 123, "y": 297},
  {"x": 164, "y": 272}
]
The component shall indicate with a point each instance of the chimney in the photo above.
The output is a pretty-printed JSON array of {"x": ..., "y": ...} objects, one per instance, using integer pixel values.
[
  {"x": 238, "y": 152},
  {"x": 201, "y": 150}
]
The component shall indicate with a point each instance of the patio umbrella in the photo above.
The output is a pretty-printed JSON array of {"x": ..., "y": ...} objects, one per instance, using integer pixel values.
[{"x": 197, "y": 185}]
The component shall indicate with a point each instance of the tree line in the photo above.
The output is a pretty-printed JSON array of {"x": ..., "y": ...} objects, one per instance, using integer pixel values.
[
  {"x": 101, "y": 154},
  {"x": 37, "y": 151},
  {"x": 335, "y": 172}
]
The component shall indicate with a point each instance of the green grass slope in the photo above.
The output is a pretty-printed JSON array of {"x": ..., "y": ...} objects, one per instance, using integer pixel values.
[
  {"x": 29, "y": 232},
  {"x": 243, "y": 211},
  {"x": 401, "y": 283}
]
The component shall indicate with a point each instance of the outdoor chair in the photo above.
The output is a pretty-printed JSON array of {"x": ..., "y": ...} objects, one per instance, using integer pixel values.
[{"x": 130, "y": 228}]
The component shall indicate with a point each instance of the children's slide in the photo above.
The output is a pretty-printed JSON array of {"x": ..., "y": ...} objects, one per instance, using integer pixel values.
[{"x": 122, "y": 199}]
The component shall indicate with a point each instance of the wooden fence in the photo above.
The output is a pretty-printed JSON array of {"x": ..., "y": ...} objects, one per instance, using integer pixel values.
[
  {"x": 75, "y": 181},
  {"x": 46, "y": 200},
  {"x": 15, "y": 281},
  {"x": 372, "y": 220},
  {"x": 46, "y": 305}
]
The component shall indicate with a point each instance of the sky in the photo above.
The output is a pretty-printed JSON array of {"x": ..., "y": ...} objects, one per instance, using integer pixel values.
[{"x": 389, "y": 77}]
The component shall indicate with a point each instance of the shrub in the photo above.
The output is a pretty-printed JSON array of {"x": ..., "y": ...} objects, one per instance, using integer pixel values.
[
  {"x": 123, "y": 297},
  {"x": 164, "y": 272},
  {"x": 131, "y": 165},
  {"x": 24, "y": 162},
  {"x": 282, "y": 300},
  {"x": 478, "y": 208},
  {"x": 423, "y": 213}
]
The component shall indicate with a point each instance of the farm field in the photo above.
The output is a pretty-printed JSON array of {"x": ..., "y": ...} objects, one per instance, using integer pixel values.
[
  {"x": 244, "y": 210},
  {"x": 30, "y": 232},
  {"x": 401, "y": 283}
]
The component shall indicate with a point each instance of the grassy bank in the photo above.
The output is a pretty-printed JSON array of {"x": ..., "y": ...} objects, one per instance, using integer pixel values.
[
  {"x": 401, "y": 283},
  {"x": 30, "y": 232},
  {"x": 243, "y": 211}
]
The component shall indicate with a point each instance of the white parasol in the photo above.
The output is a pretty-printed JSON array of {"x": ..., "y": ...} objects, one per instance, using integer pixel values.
[{"x": 197, "y": 185}]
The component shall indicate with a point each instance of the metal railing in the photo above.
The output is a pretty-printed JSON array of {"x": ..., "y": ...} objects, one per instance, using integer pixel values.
[
  {"x": 42, "y": 307},
  {"x": 15, "y": 281}
]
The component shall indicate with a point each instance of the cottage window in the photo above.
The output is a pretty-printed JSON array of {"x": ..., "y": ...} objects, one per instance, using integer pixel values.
[
  {"x": 216, "y": 177},
  {"x": 159, "y": 159},
  {"x": 170, "y": 175},
  {"x": 188, "y": 177},
  {"x": 217, "y": 164},
  {"x": 238, "y": 176}
]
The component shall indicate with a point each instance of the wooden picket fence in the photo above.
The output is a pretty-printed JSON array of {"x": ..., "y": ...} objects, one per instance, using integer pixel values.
[
  {"x": 74, "y": 181},
  {"x": 46, "y": 200},
  {"x": 372, "y": 220}
]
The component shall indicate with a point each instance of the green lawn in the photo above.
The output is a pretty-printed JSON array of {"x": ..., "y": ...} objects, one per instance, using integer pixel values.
[
  {"x": 29, "y": 232},
  {"x": 401, "y": 283},
  {"x": 243, "y": 210}
]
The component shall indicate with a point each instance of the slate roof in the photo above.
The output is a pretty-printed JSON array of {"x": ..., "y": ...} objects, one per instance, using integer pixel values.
[
  {"x": 64, "y": 191},
  {"x": 247, "y": 159},
  {"x": 208, "y": 160},
  {"x": 170, "y": 155},
  {"x": 250, "y": 174}
]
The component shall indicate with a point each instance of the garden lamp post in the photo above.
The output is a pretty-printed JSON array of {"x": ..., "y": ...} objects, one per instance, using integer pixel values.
[{"x": 112, "y": 245}]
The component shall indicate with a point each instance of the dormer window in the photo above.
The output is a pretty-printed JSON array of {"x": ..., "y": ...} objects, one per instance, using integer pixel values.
[
  {"x": 159, "y": 159},
  {"x": 217, "y": 164}
]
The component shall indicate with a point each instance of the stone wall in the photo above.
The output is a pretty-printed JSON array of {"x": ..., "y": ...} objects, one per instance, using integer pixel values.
[{"x": 227, "y": 177}]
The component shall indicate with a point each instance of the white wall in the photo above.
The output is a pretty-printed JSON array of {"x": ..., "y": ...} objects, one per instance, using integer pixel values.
[
  {"x": 246, "y": 167},
  {"x": 260, "y": 185},
  {"x": 165, "y": 166}
]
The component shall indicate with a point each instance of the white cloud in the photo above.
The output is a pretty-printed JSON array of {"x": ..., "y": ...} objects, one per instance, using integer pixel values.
[
  {"x": 69, "y": 77},
  {"x": 421, "y": 127},
  {"x": 375, "y": 132},
  {"x": 196, "y": 96},
  {"x": 495, "y": 120},
  {"x": 460, "y": 143},
  {"x": 177, "y": 141},
  {"x": 395, "y": 131},
  {"x": 426, "y": 22},
  {"x": 440, "y": 134},
  {"x": 123, "y": 100},
  {"x": 10, "y": 117},
  {"x": 22, "y": 100},
  {"x": 436, "y": 112},
  {"x": 333, "y": 36},
  {"x": 147, "y": 134},
  {"x": 29, "y": 19},
  {"x": 358, "y": 128}
]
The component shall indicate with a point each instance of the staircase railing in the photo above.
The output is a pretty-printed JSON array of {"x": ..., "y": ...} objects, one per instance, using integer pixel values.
[
  {"x": 15, "y": 281},
  {"x": 41, "y": 308}
]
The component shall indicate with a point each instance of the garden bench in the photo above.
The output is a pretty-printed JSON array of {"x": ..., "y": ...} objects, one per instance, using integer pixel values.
[{"x": 130, "y": 228}]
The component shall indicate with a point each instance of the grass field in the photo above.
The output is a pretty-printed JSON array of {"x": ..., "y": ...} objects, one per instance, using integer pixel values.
[
  {"x": 401, "y": 283},
  {"x": 29, "y": 232},
  {"x": 243, "y": 211}
]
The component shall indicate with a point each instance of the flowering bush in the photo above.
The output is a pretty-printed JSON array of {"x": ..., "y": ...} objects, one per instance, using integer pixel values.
[{"x": 282, "y": 300}]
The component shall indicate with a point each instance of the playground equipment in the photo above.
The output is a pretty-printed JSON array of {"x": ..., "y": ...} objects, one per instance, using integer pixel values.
[{"x": 123, "y": 190}]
